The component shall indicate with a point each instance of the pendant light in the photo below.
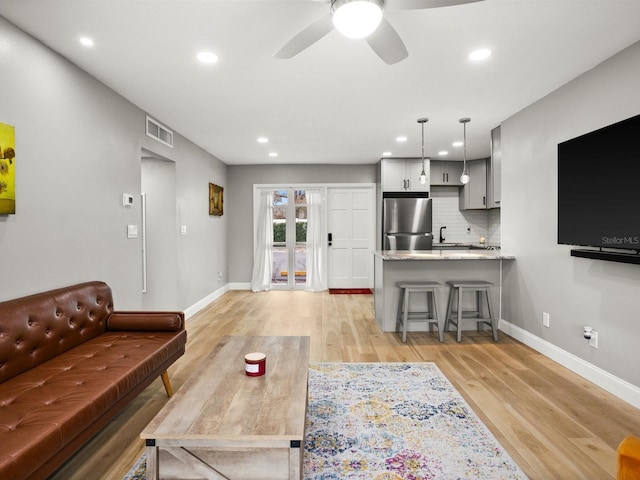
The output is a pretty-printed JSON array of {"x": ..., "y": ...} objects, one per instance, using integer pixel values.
[
  {"x": 423, "y": 175},
  {"x": 464, "y": 178}
]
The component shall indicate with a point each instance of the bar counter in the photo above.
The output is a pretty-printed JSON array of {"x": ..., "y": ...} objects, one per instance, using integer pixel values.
[{"x": 393, "y": 266}]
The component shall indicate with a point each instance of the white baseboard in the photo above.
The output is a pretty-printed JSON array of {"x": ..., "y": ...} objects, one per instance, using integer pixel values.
[
  {"x": 612, "y": 384},
  {"x": 240, "y": 286},
  {"x": 200, "y": 304}
]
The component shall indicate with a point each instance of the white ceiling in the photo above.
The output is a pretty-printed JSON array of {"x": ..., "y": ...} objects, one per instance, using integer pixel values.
[{"x": 335, "y": 102}]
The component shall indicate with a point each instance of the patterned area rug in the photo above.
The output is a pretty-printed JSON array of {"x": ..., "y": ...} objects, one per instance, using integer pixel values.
[
  {"x": 139, "y": 470},
  {"x": 392, "y": 421},
  {"x": 396, "y": 421}
]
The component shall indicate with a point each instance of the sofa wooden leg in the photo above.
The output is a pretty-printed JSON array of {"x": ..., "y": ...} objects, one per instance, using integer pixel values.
[{"x": 167, "y": 383}]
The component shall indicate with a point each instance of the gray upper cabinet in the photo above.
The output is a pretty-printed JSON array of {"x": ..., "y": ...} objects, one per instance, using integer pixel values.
[
  {"x": 494, "y": 169},
  {"x": 473, "y": 196},
  {"x": 446, "y": 173},
  {"x": 402, "y": 175}
]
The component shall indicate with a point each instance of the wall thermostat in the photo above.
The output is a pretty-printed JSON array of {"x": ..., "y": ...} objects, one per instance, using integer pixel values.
[{"x": 127, "y": 200}]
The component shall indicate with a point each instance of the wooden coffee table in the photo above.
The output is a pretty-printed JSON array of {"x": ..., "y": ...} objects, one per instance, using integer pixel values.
[{"x": 223, "y": 424}]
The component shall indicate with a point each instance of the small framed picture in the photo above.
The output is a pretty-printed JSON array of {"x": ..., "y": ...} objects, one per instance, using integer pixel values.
[
  {"x": 216, "y": 200},
  {"x": 7, "y": 169}
]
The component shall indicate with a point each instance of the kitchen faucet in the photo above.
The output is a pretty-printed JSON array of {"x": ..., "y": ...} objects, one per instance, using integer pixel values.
[{"x": 442, "y": 239}]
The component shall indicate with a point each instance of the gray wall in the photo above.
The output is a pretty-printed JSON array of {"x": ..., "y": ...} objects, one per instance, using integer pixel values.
[
  {"x": 78, "y": 149},
  {"x": 545, "y": 278},
  {"x": 239, "y": 199}
]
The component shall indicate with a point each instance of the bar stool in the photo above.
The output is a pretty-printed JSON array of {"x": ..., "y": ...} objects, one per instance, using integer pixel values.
[
  {"x": 431, "y": 315},
  {"x": 457, "y": 315}
]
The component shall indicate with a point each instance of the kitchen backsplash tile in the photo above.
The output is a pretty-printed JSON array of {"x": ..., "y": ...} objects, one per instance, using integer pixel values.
[
  {"x": 494, "y": 226},
  {"x": 462, "y": 226}
]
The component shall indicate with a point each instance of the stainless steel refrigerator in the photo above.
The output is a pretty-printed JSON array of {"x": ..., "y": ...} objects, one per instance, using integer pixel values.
[{"x": 406, "y": 223}]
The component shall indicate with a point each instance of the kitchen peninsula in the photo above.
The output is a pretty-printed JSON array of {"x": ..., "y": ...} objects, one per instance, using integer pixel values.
[{"x": 393, "y": 266}]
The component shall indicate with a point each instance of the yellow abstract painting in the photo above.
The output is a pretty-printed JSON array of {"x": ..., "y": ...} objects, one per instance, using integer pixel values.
[{"x": 7, "y": 169}]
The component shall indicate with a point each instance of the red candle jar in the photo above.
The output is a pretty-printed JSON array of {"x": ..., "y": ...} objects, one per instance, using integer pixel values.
[{"x": 255, "y": 364}]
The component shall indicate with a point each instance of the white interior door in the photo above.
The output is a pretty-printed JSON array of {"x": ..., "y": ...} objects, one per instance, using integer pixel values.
[{"x": 351, "y": 226}]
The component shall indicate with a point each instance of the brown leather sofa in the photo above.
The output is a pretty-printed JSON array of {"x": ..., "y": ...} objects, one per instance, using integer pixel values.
[{"x": 68, "y": 365}]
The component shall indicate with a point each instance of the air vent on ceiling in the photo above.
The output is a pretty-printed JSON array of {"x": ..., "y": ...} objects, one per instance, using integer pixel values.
[{"x": 159, "y": 132}]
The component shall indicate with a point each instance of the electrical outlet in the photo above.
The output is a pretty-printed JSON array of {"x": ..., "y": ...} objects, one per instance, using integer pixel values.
[
  {"x": 545, "y": 319},
  {"x": 593, "y": 341},
  {"x": 219, "y": 276}
]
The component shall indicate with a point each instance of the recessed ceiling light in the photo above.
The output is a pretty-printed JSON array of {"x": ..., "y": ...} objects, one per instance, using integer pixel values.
[
  {"x": 207, "y": 57},
  {"x": 458, "y": 143},
  {"x": 273, "y": 154},
  {"x": 263, "y": 140},
  {"x": 401, "y": 139},
  {"x": 442, "y": 153},
  {"x": 386, "y": 154},
  {"x": 480, "y": 54},
  {"x": 87, "y": 42}
]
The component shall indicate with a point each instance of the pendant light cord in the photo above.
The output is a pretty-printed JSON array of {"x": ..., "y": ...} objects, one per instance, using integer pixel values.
[
  {"x": 423, "y": 146},
  {"x": 464, "y": 178},
  {"x": 423, "y": 174},
  {"x": 464, "y": 144}
]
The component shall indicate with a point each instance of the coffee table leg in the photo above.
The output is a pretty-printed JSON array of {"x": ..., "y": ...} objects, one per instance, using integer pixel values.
[
  {"x": 295, "y": 460},
  {"x": 153, "y": 467}
]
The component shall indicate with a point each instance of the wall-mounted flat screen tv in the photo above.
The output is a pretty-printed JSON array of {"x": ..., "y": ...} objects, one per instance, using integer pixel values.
[{"x": 599, "y": 187}]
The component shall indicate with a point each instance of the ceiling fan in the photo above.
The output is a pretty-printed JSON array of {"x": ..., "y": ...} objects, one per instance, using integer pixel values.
[{"x": 362, "y": 19}]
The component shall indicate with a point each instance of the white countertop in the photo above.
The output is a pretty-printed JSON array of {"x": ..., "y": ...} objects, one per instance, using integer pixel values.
[{"x": 443, "y": 255}]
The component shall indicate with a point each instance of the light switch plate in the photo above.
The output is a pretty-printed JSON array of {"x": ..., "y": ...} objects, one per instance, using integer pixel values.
[
  {"x": 183, "y": 229},
  {"x": 132, "y": 231}
]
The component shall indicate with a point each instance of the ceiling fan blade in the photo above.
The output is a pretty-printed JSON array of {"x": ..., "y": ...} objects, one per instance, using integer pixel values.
[
  {"x": 419, "y": 4},
  {"x": 387, "y": 44},
  {"x": 306, "y": 37}
]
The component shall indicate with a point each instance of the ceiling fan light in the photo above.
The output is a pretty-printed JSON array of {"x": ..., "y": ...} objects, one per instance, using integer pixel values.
[{"x": 356, "y": 18}]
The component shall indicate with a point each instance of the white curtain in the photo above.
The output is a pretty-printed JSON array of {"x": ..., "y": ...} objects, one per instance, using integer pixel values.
[
  {"x": 262, "y": 258},
  {"x": 315, "y": 242}
]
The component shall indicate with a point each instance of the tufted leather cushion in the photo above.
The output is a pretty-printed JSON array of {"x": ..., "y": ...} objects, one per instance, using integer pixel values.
[{"x": 38, "y": 327}]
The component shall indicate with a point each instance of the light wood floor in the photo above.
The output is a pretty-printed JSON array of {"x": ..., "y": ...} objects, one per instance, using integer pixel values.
[{"x": 553, "y": 423}]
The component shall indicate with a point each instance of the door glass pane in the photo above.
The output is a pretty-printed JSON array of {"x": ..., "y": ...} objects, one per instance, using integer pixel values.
[
  {"x": 280, "y": 265},
  {"x": 301, "y": 197},
  {"x": 301, "y": 265},
  {"x": 279, "y": 217},
  {"x": 300, "y": 254},
  {"x": 280, "y": 252},
  {"x": 301, "y": 224}
]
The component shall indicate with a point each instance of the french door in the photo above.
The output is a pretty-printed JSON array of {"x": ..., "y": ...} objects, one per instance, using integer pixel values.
[{"x": 289, "y": 251}]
